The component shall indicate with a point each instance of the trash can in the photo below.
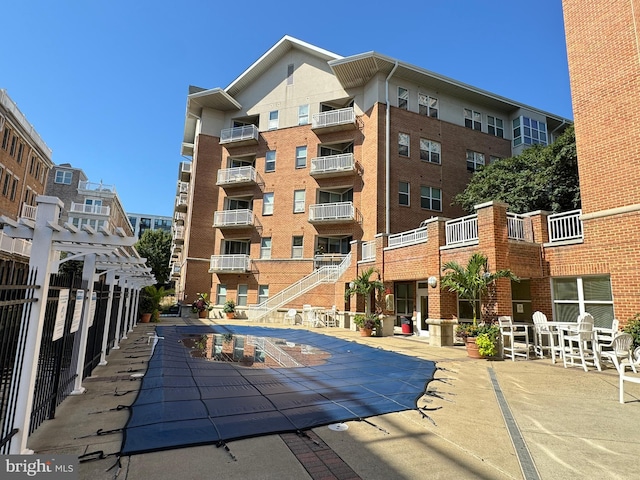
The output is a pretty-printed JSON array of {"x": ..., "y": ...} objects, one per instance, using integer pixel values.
[{"x": 407, "y": 325}]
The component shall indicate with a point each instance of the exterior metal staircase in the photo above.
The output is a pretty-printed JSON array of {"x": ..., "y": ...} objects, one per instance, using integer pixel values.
[{"x": 325, "y": 274}]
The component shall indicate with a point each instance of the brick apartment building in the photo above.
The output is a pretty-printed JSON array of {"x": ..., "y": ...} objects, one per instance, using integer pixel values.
[{"x": 308, "y": 157}]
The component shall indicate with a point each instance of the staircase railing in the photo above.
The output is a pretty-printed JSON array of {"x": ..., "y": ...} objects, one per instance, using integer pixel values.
[{"x": 326, "y": 274}]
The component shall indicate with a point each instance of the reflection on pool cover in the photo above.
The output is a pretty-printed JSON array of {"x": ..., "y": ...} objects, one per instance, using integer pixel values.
[
  {"x": 187, "y": 399},
  {"x": 253, "y": 351}
]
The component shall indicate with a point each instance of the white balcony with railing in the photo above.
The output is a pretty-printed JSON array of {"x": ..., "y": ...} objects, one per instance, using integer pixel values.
[
  {"x": 182, "y": 187},
  {"x": 178, "y": 234},
  {"x": 565, "y": 227},
  {"x": 410, "y": 237},
  {"x": 99, "y": 189},
  {"x": 333, "y": 165},
  {"x": 175, "y": 271},
  {"x": 328, "y": 259},
  {"x": 229, "y": 263},
  {"x": 15, "y": 246},
  {"x": 179, "y": 218},
  {"x": 519, "y": 227},
  {"x": 462, "y": 231},
  {"x": 369, "y": 251},
  {"x": 334, "y": 119},
  {"x": 246, "y": 134},
  {"x": 237, "y": 176},
  {"x": 185, "y": 171},
  {"x": 29, "y": 211},
  {"x": 233, "y": 218},
  {"x": 90, "y": 209},
  {"x": 182, "y": 202},
  {"x": 332, "y": 212}
]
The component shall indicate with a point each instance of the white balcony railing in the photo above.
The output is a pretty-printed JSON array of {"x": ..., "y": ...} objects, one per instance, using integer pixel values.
[
  {"x": 229, "y": 176},
  {"x": 90, "y": 209},
  {"x": 239, "y": 134},
  {"x": 185, "y": 171},
  {"x": 229, "y": 218},
  {"x": 462, "y": 230},
  {"x": 181, "y": 200},
  {"x": 343, "y": 116},
  {"x": 519, "y": 227},
  {"x": 179, "y": 217},
  {"x": 178, "y": 232},
  {"x": 16, "y": 246},
  {"x": 183, "y": 187},
  {"x": 95, "y": 188},
  {"x": 322, "y": 212},
  {"x": 565, "y": 226},
  {"x": 409, "y": 237},
  {"x": 29, "y": 211},
  {"x": 343, "y": 162},
  {"x": 229, "y": 263},
  {"x": 369, "y": 251}
]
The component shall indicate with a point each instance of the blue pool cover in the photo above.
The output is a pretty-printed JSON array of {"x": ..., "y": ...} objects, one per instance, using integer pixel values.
[{"x": 213, "y": 384}]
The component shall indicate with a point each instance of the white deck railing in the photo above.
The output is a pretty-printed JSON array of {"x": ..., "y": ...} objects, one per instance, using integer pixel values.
[
  {"x": 343, "y": 162},
  {"x": 29, "y": 211},
  {"x": 238, "y": 134},
  {"x": 331, "y": 211},
  {"x": 519, "y": 227},
  {"x": 462, "y": 230},
  {"x": 181, "y": 200},
  {"x": 236, "y": 175},
  {"x": 229, "y": 263},
  {"x": 342, "y": 116},
  {"x": 369, "y": 251},
  {"x": 90, "y": 209},
  {"x": 93, "y": 187},
  {"x": 409, "y": 237},
  {"x": 565, "y": 226},
  {"x": 17, "y": 246},
  {"x": 183, "y": 187},
  {"x": 228, "y": 218}
]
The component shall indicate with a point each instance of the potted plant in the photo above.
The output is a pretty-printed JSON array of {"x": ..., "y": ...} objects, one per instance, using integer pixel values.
[
  {"x": 150, "y": 299},
  {"x": 366, "y": 323},
  {"x": 229, "y": 308},
  {"x": 201, "y": 305},
  {"x": 364, "y": 285},
  {"x": 471, "y": 282}
]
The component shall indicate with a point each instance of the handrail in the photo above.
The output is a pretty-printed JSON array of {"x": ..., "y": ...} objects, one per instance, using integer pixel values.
[
  {"x": 410, "y": 237},
  {"x": 461, "y": 230},
  {"x": 565, "y": 226}
]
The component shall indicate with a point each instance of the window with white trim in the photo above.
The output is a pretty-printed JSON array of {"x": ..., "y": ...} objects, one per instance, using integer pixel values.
[
  {"x": 263, "y": 293},
  {"x": 495, "y": 126},
  {"x": 297, "y": 247},
  {"x": 403, "y": 144},
  {"x": 221, "y": 294},
  {"x": 472, "y": 119},
  {"x": 529, "y": 132},
  {"x": 5, "y": 138},
  {"x": 273, "y": 120},
  {"x": 427, "y": 105},
  {"x": 573, "y": 296},
  {"x": 267, "y": 204},
  {"x": 290, "y": 74},
  {"x": 265, "y": 247},
  {"x": 403, "y": 98},
  {"x": 303, "y": 114},
  {"x": 20, "y": 152},
  {"x": 301, "y": 157},
  {"x": 270, "y": 161},
  {"x": 243, "y": 293},
  {"x": 64, "y": 177},
  {"x": 404, "y": 193},
  {"x": 429, "y": 151},
  {"x": 475, "y": 160},
  {"x": 299, "y": 199},
  {"x": 431, "y": 198}
]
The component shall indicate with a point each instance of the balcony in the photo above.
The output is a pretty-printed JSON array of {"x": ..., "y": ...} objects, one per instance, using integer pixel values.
[
  {"x": 233, "y": 219},
  {"x": 182, "y": 187},
  {"x": 462, "y": 231},
  {"x": 238, "y": 136},
  {"x": 369, "y": 251},
  {"x": 179, "y": 218},
  {"x": 334, "y": 120},
  {"x": 327, "y": 260},
  {"x": 175, "y": 271},
  {"x": 333, "y": 165},
  {"x": 237, "y": 176},
  {"x": 332, "y": 212},
  {"x": 411, "y": 237},
  {"x": 178, "y": 234},
  {"x": 96, "y": 189},
  {"x": 29, "y": 211},
  {"x": 229, "y": 264},
  {"x": 89, "y": 209},
  {"x": 181, "y": 202},
  {"x": 185, "y": 171},
  {"x": 565, "y": 227}
]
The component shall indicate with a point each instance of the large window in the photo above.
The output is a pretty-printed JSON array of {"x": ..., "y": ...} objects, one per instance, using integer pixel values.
[
  {"x": 404, "y": 193},
  {"x": 299, "y": 198},
  {"x": 236, "y": 247},
  {"x": 475, "y": 160},
  {"x": 270, "y": 161},
  {"x": 301, "y": 157},
  {"x": 339, "y": 245},
  {"x": 472, "y": 119},
  {"x": 265, "y": 248},
  {"x": 427, "y": 105},
  {"x": 63, "y": 177},
  {"x": 403, "y": 98},
  {"x": 576, "y": 295},
  {"x": 403, "y": 144},
  {"x": 429, "y": 151},
  {"x": 431, "y": 198},
  {"x": 495, "y": 126},
  {"x": 529, "y": 132},
  {"x": 267, "y": 204}
]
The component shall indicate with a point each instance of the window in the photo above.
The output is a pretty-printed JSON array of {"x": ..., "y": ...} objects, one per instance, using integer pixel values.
[
  {"x": 299, "y": 198},
  {"x": 273, "y": 120},
  {"x": 290, "y": 74},
  {"x": 495, "y": 126},
  {"x": 301, "y": 157},
  {"x": 296, "y": 247},
  {"x": 403, "y": 144},
  {"x": 575, "y": 295},
  {"x": 236, "y": 247},
  {"x": 529, "y": 132},
  {"x": 265, "y": 248},
  {"x": 20, "y": 152},
  {"x": 493, "y": 159},
  {"x": 270, "y": 161},
  {"x": 429, "y": 151},
  {"x": 403, "y": 98},
  {"x": 221, "y": 294},
  {"x": 405, "y": 298},
  {"x": 472, "y": 119},
  {"x": 267, "y": 204},
  {"x": 475, "y": 160},
  {"x": 243, "y": 290},
  {"x": 5, "y": 184},
  {"x": 14, "y": 189},
  {"x": 32, "y": 164},
  {"x": 5, "y": 138},
  {"x": 63, "y": 177},
  {"x": 263, "y": 293},
  {"x": 337, "y": 245},
  {"x": 403, "y": 192},
  {"x": 431, "y": 198},
  {"x": 12, "y": 149},
  {"x": 303, "y": 114},
  {"x": 427, "y": 105}
]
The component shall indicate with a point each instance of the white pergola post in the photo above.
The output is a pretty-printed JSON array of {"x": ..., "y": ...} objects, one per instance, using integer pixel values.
[
  {"x": 127, "y": 309},
  {"x": 122, "y": 281},
  {"x": 135, "y": 307},
  {"x": 42, "y": 255},
  {"x": 111, "y": 280}
]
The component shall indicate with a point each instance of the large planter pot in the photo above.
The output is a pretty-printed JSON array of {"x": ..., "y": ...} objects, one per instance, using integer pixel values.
[
  {"x": 231, "y": 315},
  {"x": 145, "y": 318},
  {"x": 366, "y": 332},
  {"x": 472, "y": 348},
  {"x": 203, "y": 314}
]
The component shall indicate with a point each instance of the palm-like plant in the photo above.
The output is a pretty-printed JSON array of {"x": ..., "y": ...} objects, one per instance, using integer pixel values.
[
  {"x": 471, "y": 282},
  {"x": 364, "y": 285}
]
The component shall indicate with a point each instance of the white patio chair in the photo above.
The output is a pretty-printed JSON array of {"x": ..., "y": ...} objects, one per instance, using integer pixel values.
[
  {"x": 308, "y": 316},
  {"x": 515, "y": 338},
  {"x": 581, "y": 344},
  {"x": 291, "y": 317},
  {"x": 543, "y": 331},
  {"x": 330, "y": 317},
  {"x": 635, "y": 362},
  {"x": 618, "y": 350}
]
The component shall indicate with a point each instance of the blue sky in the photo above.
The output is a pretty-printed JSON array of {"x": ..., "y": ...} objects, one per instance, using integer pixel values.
[{"x": 104, "y": 82}]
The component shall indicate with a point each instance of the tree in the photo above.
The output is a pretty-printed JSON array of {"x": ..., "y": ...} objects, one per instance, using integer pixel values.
[
  {"x": 364, "y": 285},
  {"x": 471, "y": 282},
  {"x": 540, "y": 178},
  {"x": 155, "y": 246}
]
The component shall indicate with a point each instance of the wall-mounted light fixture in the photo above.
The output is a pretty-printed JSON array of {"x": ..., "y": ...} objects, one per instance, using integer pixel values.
[{"x": 432, "y": 281}]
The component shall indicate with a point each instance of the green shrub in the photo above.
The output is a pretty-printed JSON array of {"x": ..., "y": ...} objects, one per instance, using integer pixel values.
[{"x": 633, "y": 327}]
